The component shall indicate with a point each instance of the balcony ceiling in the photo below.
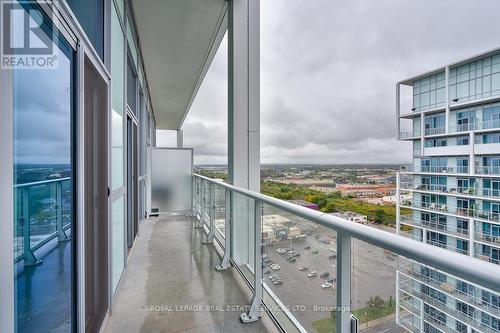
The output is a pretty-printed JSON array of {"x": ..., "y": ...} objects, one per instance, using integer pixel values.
[{"x": 179, "y": 39}]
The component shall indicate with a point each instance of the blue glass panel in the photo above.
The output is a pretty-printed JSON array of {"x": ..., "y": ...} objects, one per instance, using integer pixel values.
[{"x": 43, "y": 191}]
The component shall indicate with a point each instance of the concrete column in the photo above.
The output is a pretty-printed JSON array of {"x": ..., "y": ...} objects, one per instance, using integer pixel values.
[
  {"x": 471, "y": 237},
  {"x": 398, "y": 110},
  {"x": 243, "y": 119},
  {"x": 398, "y": 194},
  {"x": 447, "y": 97},
  {"x": 180, "y": 138},
  {"x": 244, "y": 94},
  {"x": 422, "y": 134}
]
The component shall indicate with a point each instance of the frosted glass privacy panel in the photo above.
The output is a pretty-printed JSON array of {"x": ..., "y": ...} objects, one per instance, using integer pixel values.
[{"x": 172, "y": 171}]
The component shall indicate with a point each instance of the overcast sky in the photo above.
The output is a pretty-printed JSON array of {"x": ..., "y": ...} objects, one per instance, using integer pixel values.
[{"x": 328, "y": 75}]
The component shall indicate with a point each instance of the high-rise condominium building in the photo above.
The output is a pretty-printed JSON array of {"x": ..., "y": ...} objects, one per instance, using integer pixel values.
[{"x": 450, "y": 197}]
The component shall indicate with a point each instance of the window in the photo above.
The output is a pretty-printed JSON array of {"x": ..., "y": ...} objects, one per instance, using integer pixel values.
[
  {"x": 435, "y": 124},
  {"x": 463, "y": 140},
  {"x": 462, "y": 164},
  {"x": 462, "y": 246},
  {"x": 90, "y": 14},
  {"x": 429, "y": 92},
  {"x": 491, "y": 116},
  {"x": 441, "y": 142},
  {"x": 475, "y": 80},
  {"x": 131, "y": 87},
  {"x": 44, "y": 214}
]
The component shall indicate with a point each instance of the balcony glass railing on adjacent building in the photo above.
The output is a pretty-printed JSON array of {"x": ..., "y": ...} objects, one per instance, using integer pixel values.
[
  {"x": 452, "y": 209},
  {"x": 433, "y": 225},
  {"x": 450, "y": 286},
  {"x": 409, "y": 135},
  {"x": 437, "y": 299},
  {"x": 488, "y": 170},
  {"x": 487, "y": 238},
  {"x": 435, "y": 131},
  {"x": 301, "y": 259},
  {"x": 43, "y": 213}
]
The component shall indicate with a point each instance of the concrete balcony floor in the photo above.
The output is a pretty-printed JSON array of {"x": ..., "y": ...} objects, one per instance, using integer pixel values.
[{"x": 170, "y": 276}]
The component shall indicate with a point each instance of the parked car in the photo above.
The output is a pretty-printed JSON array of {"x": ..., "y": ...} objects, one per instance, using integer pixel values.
[
  {"x": 277, "y": 282},
  {"x": 292, "y": 259},
  {"x": 324, "y": 275},
  {"x": 331, "y": 281},
  {"x": 332, "y": 256},
  {"x": 267, "y": 271},
  {"x": 312, "y": 274},
  {"x": 303, "y": 268},
  {"x": 275, "y": 267},
  {"x": 307, "y": 248},
  {"x": 326, "y": 285},
  {"x": 315, "y": 252}
]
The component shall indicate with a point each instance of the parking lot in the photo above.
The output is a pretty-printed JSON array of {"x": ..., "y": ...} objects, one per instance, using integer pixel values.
[{"x": 373, "y": 271}]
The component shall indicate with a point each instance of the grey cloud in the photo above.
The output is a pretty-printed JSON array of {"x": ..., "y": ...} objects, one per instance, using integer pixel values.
[{"x": 328, "y": 74}]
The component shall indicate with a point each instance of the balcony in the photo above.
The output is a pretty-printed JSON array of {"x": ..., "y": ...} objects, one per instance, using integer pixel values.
[
  {"x": 487, "y": 238},
  {"x": 412, "y": 287},
  {"x": 434, "y": 131},
  {"x": 453, "y": 210},
  {"x": 409, "y": 135},
  {"x": 433, "y": 225},
  {"x": 474, "y": 298},
  {"x": 488, "y": 170},
  {"x": 436, "y": 169}
]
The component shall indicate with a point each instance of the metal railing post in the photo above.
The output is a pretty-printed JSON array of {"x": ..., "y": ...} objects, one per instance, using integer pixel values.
[
  {"x": 422, "y": 312},
  {"x": 397, "y": 297},
  {"x": 29, "y": 256},
  {"x": 211, "y": 215},
  {"x": 61, "y": 235},
  {"x": 199, "y": 222},
  {"x": 255, "y": 311},
  {"x": 226, "y": 259},
  {"x": 343, "y": 282}
]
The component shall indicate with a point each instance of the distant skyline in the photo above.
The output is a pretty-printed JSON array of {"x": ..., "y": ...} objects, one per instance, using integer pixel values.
[{"x": 328, "y": 75}]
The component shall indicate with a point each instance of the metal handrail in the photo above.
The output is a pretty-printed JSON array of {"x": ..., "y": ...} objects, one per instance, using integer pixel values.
[
  {"x": 28, "y": 253},
  {"x": 468, "y": 268}
]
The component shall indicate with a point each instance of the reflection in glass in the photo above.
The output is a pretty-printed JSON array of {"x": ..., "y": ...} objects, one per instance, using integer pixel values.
[{"x": 43, "y": 193}]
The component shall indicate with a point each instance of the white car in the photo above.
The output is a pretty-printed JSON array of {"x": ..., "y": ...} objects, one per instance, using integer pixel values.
[
  {"x": 275, "y": 267},
  {"x": 312, "y": 274},
  {"x": 326, "y": 285}
]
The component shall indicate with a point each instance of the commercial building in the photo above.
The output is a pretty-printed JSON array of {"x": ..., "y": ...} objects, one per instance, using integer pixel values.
[
  {"x": 454, "y": 125},
  {"x": 352, "y": 216}
]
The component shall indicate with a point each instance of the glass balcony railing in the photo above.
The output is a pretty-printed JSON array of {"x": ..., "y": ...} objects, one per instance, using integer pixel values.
[
  {"x": 464, "y": 127},
  {"x": 409, "y": 135},
  {"x": 313, "y": 270},
  {"x": 488, "y": 124},
  {"x": 433, "y": 225},
  {"x": 43, "y": 213},
  {"x": 428, "y": 294},
  {"x": 487, "y": 238},
  {"x": 435, "y": 131},
  {"x": 488, "y": 170},
  {"x": 449, "y": 287},
  {"x": 451, "y": 209},
  {"x": 436, "y": 169}
]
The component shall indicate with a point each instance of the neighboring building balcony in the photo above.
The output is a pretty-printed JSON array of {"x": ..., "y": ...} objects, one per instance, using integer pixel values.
[
  {"x": 435, "y": 131},
  {"x": 487, "y": 258},
  {"x": 412, "y": 286},
  {"x": 452, "y": 210},
  {"x": 463, "y": 127},
  {"x": 474, "y": 299},
  {"x": 424, "y": 187},
  {"x": 488, "y": 170},
  {"x": 409, "y": 135},
  {"x": 448, "y": 246},
  {"x": 487, "y": 238},
  {"x": 487, "y": 124},
  {"x": 436, "y": 169},
  {"x": 432, "y": 225}
]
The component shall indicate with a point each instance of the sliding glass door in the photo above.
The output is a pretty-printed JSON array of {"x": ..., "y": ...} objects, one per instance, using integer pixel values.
[{"x": 44, "y": 187}]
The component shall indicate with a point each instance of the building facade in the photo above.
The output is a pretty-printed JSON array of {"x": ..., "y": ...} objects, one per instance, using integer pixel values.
[{"x": 454, "y": 186}]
